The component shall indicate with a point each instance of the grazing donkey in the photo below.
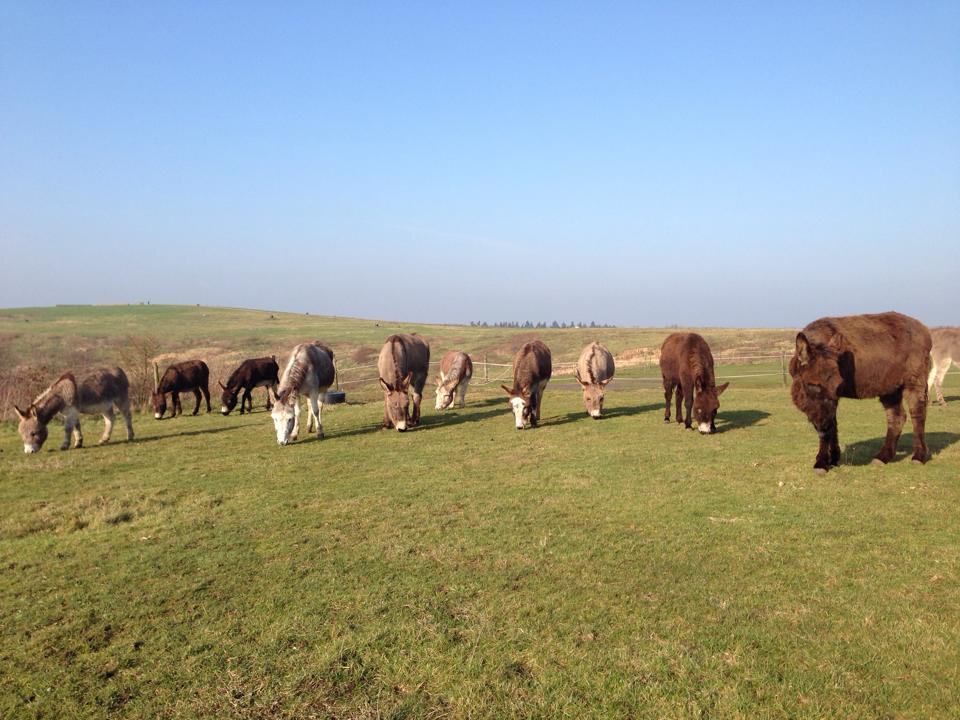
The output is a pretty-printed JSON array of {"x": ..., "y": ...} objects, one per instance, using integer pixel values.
[
  {"x": 532, "y": 368},
  {"x": 595, "y": 370},
  {"x": 98, "y": 394},
  {"x": 309, "y": 371},
  {"x": 456, "y": 369},
  {"x": 254, "y": 373},
  {"x": 686, "y": 364},
  {"x": 862, "y": 356},
  {"x": 946, "y": 350},
  {"x": 177, "y": 378},
  {"x": 403, "y": 364}
]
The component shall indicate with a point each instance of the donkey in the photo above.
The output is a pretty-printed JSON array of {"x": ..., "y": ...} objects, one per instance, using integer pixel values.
[
  {"x": 686, "y": 364},
  {"x": 946, "y": 350},
  {"x": 862, "y": 356},
  {"x": 456, "y": 370},
  {"x": 403, "y": 365},
  {"x": 594, "y": 372},
  {"x": 310, "y": 371},
  {"x": 532, "y": 368},
  {"x": 254, "y": 373},
  {"x": 177, "y": 378},
  {"x": 98, "y": 394}
]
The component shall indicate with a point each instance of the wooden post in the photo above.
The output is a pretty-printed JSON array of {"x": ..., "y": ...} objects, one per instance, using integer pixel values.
[
  {"x": 783, "y": 367},
  {"x": 485, "y": 367},
  {"x": 336, "y": 373}
]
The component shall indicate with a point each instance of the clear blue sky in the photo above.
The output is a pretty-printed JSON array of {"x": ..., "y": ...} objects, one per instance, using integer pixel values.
[{"x": 737, "y": 164}]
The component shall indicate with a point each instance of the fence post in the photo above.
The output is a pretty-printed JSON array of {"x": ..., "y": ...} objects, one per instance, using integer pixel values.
[
  {"x": 783, "y": 367},
  {"x": 484, "y": 367},
  {"x": 336, "y": 373}
]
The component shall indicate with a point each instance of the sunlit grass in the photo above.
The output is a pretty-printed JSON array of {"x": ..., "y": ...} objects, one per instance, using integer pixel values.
[{"x": 621, "y": 567}]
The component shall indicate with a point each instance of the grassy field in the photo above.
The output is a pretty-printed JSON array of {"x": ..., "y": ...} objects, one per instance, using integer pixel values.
[{"x": 612, "y": 568}]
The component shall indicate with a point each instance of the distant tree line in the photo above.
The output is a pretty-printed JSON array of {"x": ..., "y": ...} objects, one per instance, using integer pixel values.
[{"x": 542, "y": 324}]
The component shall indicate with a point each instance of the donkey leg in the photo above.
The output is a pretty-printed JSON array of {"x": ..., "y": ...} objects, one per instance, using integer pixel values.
[
  {"x": 107, "y": 427},
  {"x": 687, "y": 406},
  {"x": 679, "y": 399},
  {"x": 296, "y": 420},
  {"x": 67, "y": 431},
  {"x": 177, "y": 407},
  {"x": 462, "y": 393},
  {"x": 316, "y": 407},
  {"x": 939, "y": 371},
  {"x": 311, "y": 415},
  {"x": 893, "y": 405},
  {"x": 417, "y": 397},
  {"x": 128, "y": 419},
  {"x": 667, "y": 396},
  {"x": 206, "y": 396},
  {"x": 77, "y": 433},
  {"x": 917, "y": 405}
]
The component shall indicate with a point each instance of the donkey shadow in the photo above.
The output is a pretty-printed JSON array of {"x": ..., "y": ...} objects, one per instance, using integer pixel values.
[
  {"x": 863, "y": 451},
  {"x": 462, "y": 416},
  {"x": 620, "y": 411},
  {"x": 140, "y": 439},
  {"x": 427, "y": 422},
  {"x": 739, "y": 419}
]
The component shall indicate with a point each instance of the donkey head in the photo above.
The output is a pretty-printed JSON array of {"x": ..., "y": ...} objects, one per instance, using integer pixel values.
[
  {"x": 33, "y": 430},
  {"x": 284, "y": 413},
  {"x": 521, "y": 406},
  {"x": 396, "y": 401},
  {"x": 444, "y": 395},
  {"x": 705, "y": 405},
  {"x": 159, "y": 401},
  {"x": 816, "y": 380},
  {"x": 228, "y": 399},
  {"x": 593, "y": 395}
]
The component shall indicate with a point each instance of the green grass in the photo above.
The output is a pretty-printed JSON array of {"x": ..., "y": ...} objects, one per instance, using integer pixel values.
[{"x": 620, "y": 568}]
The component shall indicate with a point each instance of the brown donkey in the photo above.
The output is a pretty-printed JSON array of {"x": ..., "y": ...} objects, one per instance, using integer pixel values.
[
  {"x": 686, "y": 364},
  {"x": 403, "y": 364},
  {"x": 532, "y": 368},
  {"x": 862, "y": 356}
]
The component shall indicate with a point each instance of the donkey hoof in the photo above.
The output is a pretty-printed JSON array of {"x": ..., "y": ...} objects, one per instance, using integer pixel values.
[
  {"x": 820, "y": 471},
  {"x": 878, "y": 462}
]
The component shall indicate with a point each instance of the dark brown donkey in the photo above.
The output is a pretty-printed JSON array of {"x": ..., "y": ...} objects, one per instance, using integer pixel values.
[
  {"x": 532, "y": 368},
  {"x": 253, "y": 373},
  {"x": 180, "y": 377},
  {"x": 686, "y": 365},
  {"x": 862, "y": 356}
]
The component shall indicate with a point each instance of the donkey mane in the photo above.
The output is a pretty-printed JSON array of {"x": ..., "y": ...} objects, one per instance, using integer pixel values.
[{"x": 293, "y": 377}]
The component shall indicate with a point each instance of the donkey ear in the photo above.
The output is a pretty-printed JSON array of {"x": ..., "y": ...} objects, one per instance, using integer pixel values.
[
  {"x": 507, "y": 390},
  {"x": 604, "y": 383},
  {"x": 803, "y": 349},
  {"x": 222, "y": 386},
  {"x": 836, "y": 342},
  {"x": 405, "y": 383},
  {"x": 698, "y": 384},
  {"x": 387, "y": 387},
  {"x": 579, "y": 379},
  {"x": 24, "y": 414},
  {"x": 721, "y": 388}
]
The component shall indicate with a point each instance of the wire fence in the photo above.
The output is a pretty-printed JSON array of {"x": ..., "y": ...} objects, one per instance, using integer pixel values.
[{"x": 490, "y": 373}]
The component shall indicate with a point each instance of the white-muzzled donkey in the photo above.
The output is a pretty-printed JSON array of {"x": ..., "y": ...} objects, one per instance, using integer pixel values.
[
  {"x": 532, "y": 368},
  {"x": 309, "y": 371},
  {"x": 456, "y": 370},
  {"x": 595, "y": 369},
  {"x": 98, "y": 394}
]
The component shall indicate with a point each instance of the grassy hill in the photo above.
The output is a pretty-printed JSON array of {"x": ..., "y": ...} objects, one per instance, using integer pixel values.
[{"x": 612, "y": 568}]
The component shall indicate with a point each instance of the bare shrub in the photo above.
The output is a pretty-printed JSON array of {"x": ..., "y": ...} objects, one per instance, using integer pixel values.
[{"x": 136, "y": 355}]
